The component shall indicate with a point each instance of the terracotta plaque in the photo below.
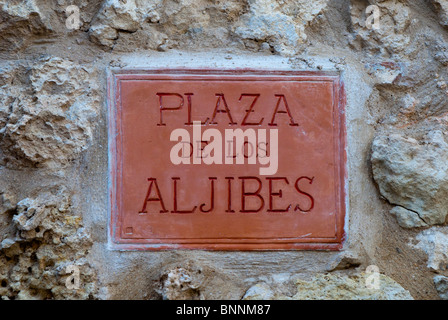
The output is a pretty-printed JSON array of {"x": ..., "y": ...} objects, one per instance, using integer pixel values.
[{"x": 226, "y": 160}]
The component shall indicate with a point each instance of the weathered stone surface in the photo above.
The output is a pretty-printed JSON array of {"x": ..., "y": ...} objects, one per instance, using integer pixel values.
[
  {"x": 407, "y": 218},
  {"x": 335, "y": 287},
  {"x": 434, "y": 242},
  {"x": 7, "y": 209},
  {"x": 31, "y": 213},
  {"x": 48, "y": 239},
  {"x": 281, "y": 25},
  {"x": 7, "y": 202},
  {"x": 179, "y": 285},
  {"x": 46, "y": 112},
  {"x": 345, "y": 260},
  {"x": 385, "y": 73},
  {"x": 103, "y": 34},
  {"x": 195, "y": 281},
  {"x": 120, "y": 15},
  {"x": 441, "y": 283},
  {"x": 338, "y": 287},
  {"x": 19, "y": 21},
  {"x": 413, "y": 175},
  {"x": 261, "y": 25},
  {"x": 117, "y": 17},
  {"x": 261, "y": 291},
  {"x": 393, "y": 34},
  {"x": 442, "y": 8}
]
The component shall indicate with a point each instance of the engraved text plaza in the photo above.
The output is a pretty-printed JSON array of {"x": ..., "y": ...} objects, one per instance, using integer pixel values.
[{"x": 238, "y": 147}]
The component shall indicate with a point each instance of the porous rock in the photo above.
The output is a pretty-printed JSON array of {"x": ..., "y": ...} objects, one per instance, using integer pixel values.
[
  {"x": 178, "y": 284},
  {"x": 336, "y": 287},
  {"x": 442, "y": 8},
  {"x": 392, "y": 34},
  {"x": 46, "y": 112},
  {"x": 281, "y": 25},
  {"x": 434, "y": 242},
  {"x": 49, "y": 238},
  {"x": 441, "y": 283}
]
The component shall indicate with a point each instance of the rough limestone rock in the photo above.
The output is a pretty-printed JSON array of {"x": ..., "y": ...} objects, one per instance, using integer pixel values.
[
  {"x": 407, "y": 218},
  {"x": 117, "y": 17},
  {"x": 413, "y": 175},
  {"x": 335, "y": 287},
  {"x": 120, "y": 15},
  {"x": 7, "y": 209},
  {"x": 261, "y": 291},
  {"x": 434, "y": 242},
  {"x": 7, "y": 202},
  {"x": 158, "y": 26},
  {"x": 280, "y": 25},
  {"x": 31, "y": 213},
  {"x": 339, "y": 287},
  {"x": 344, "y": 260},
  {"x": 441, "y": 283},
  {"x": 179, "y": 285},
  {"x": 113, "y": 16},
  {"x": 195, "y": 280},
  {"x": 393, "y": 34},
  {"x": 103, "y": 34},
  {"x": 48, "y": 239},
  {"x": 260, "y": 25},
  {"x": 442, "y": 8},
  {"x": 46, "y": 112},
  {"x": 19, "y": 21}
]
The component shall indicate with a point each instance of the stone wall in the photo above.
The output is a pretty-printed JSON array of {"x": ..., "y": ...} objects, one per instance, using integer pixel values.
[{"x": 54, "y": 144}]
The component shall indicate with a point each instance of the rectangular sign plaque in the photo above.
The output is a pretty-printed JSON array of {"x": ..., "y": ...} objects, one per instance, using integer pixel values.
[{"x": 226, "y": 160}]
